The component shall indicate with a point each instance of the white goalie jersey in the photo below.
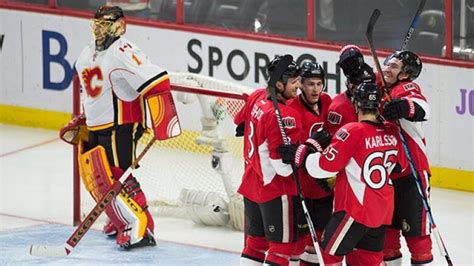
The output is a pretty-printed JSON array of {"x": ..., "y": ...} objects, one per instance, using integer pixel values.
[{"x": 111, "y": 82}]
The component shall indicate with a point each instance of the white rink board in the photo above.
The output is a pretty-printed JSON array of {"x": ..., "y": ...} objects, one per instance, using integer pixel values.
[{"x": 22, "y": 75}]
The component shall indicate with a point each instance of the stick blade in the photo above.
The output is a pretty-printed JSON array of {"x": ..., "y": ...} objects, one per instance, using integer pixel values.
[
  {"x": 373, "y": 19},
  {"x": 48, "y": 251}
]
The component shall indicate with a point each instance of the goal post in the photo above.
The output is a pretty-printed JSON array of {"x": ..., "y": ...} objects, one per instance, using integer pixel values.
[{"x": 195, "y": 175}]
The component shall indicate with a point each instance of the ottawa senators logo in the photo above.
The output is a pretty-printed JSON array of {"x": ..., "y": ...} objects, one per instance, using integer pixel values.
[
  {"x": 409, "y": 86},
  {"x": 342, "y": 134},
  {"x": 334, "y": 118},
  {"x": 288, "y": 122},
  {"x": 315, "y": 128}
]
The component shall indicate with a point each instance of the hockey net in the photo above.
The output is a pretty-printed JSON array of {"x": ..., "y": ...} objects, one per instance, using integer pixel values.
[{"x": 195, "y": 175}]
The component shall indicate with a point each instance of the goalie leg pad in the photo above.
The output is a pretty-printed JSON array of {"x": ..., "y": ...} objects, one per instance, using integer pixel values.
[
  {"x": 95, "y": 172},
  {"x": 206, "y": 208},
  {"x": 164, "y": 117},
  {"x": 131, "y": 206},
  {"x": 97, "y": 176}
]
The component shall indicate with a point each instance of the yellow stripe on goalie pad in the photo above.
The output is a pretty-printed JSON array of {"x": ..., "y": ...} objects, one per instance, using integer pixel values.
[
  {"x": 137, "y": 213},
  {"x": 95, "y": 171}
]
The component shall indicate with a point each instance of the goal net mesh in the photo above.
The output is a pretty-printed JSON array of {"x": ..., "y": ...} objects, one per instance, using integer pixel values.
[{"x": 196, "y": 174}]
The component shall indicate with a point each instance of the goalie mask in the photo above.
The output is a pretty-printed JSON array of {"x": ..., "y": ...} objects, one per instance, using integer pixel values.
[{"x": 107, "y": 26}]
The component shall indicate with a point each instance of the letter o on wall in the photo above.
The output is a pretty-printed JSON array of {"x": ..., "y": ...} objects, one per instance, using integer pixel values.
[{"x": 231, "y": 71}]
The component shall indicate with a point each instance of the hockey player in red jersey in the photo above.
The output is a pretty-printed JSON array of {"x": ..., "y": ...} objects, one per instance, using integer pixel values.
[
  {"x": 341, "y": 111},
  {"x": 118, "y": 81},
  {"x": 362, "y": 154},
  {"x": 272, "y": 211},
  {"x": 313, "y": 104},
  {"x": 241, "y": 119},
  {"x": 408, "y": 106}
]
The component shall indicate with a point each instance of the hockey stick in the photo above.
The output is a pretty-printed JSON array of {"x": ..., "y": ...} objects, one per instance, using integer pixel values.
[
  {"x": 439, "y": 240},
  {"x": 411, "y": 29},
  {"x": 279, "y": 69},
  {"x": 86, "y": 224}
]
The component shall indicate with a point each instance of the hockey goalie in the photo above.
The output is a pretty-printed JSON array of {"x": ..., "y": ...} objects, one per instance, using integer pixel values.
[{"x": 120, "y": 87}]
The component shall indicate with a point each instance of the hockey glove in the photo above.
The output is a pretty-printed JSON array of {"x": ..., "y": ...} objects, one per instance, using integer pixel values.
[
  {"x": 326, "y": 184},
  {"x": 398, "y": 108},
  {"x": 75, "y": 131},
  {"x": 240, "y": 129},
  {"x": 322, "y": 137},
  {"x": 323, "y": 183},
  {"x": 351, "y": 63},
  {"x": 287, "y": 152},
  {"x": 365, "y": 74}
]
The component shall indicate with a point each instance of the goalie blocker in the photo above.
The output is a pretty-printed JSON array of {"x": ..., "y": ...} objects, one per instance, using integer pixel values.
[{"x": 164, "y": 118}]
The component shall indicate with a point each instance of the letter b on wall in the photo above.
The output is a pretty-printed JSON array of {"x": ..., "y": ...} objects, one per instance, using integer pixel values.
[{"x": 48, "y": 59}]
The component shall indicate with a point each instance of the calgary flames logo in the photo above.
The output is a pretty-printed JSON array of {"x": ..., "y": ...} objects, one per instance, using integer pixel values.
[{"x": 88, "y": 75}]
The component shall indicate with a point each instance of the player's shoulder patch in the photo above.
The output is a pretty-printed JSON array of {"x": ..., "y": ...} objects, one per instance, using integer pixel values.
[
  {"x": 410, "y": 86},
  {"x": 342, "y": 134},
  {"x": 334, "y": 118},
  {"x": 288, "y": 122}
]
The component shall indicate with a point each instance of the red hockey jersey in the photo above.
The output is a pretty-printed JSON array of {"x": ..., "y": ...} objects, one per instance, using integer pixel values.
[
  {"x": 311, "y": 122},
  {"x": 249, "y": 185},
  {"x": 413, "y": 131},
  {"x": 243, "y": 116},
  {"x": 273, "y": 178},
  {"x": 363, "y": 155},
  {"x": 340, "y": 112}
]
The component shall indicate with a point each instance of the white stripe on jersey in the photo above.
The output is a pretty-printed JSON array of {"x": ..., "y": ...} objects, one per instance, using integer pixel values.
[
  {"x": 313, "y": 168},
  {"x": 427, "y": 194},
  {"x": 267, "y": 169},
  {"x": 424, "y": 105},
  {"x": 341, "y": 236},
  {"x": 414, "y": 131},
  {"x": 286, "y": 219},
  {"x": 353, "y": 172}
]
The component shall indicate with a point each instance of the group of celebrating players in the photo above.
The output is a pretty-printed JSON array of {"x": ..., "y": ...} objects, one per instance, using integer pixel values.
[
  {"x": 346, "y": 152},
  {"x": 348, "y": 155}
]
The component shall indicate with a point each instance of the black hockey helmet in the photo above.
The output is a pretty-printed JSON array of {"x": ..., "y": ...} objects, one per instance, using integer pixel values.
[
  {"x": 351, "y": 60},
  {"x": 109, "y": 13},
  {"x": 411, "y": 63},
  {"x": 293, "y": 70},
  {"x": 312, "y": 70},
  {"x": 367, "y": 96}
]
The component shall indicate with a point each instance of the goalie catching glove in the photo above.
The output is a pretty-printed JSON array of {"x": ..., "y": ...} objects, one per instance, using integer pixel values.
[{"x": 75, "y": 131}]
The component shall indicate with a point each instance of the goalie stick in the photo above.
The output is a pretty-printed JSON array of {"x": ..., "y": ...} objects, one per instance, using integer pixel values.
[
  {"x": 369, "y": 35},
  {"x": 86, "y": 224},
  {"x": 279, "y": 69}
]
